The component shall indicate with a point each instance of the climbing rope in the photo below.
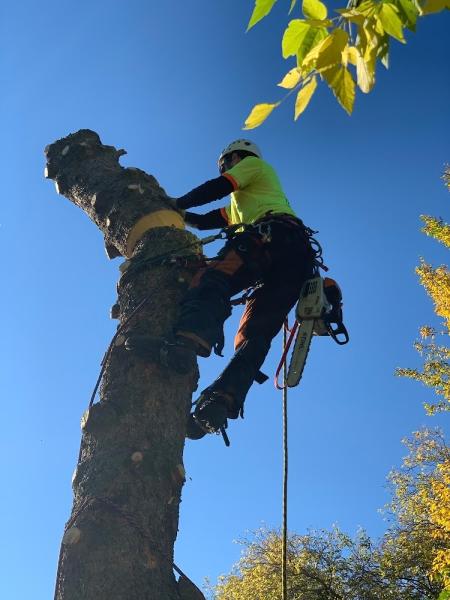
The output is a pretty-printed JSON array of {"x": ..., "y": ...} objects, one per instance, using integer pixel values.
[{"x": 285, "y": 464}]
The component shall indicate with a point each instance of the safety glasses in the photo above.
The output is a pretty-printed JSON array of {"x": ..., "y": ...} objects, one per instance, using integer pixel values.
[{"x": 225, "y": 163}]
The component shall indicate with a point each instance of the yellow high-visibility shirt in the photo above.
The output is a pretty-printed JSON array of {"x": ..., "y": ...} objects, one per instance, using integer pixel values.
[{"x": 257, "y": 191}]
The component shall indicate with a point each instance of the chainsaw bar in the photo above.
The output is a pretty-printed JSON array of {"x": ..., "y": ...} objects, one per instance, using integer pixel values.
[{"x": 300, "y": 353}]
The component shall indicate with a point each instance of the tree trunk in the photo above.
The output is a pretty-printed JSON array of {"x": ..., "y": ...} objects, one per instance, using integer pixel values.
[{"x": 118, "y": 543}]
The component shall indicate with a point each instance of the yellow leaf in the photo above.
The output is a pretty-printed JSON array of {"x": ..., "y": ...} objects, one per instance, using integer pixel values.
[
  {"x": 368, "y": 44},
  {"x": 314, "y": 9},
  {"x": 352, "y": 15},
  {"x": 332, "y": 54},
  {"x": 342, "y": 85},
  {"x": 364, "y": 74},
  {"x": 364, "y": 77},
  {"x": 350, "y": 55},
  {"x": 258, "y": 115},
  {"x": 328, "y": 52},
  {"x": 291, "y": 79},
  {"x": 304, "y": 96},
  {"x": 313, "y": 54}
]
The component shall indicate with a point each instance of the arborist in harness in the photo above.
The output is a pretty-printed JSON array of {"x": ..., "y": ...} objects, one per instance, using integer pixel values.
[{"x": 269, "y": 251}]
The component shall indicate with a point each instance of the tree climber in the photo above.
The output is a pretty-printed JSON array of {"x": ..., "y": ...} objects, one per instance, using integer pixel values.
[{"x": 273, "y": 249}]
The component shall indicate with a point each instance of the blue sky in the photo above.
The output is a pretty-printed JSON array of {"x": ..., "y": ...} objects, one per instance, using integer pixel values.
[{"x": 172, "y": 83}]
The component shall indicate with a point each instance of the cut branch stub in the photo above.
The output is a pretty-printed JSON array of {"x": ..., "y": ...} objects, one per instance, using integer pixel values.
[{"x": 123, "y": 202}]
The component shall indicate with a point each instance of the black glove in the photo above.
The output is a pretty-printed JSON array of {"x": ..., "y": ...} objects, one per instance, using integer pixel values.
[
  {"x": 172, "y": 202},
  {"x": 191, "y": 219}
]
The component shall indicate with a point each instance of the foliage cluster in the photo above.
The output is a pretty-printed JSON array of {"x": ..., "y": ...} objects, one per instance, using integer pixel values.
[
  {"x": 411, "y": 562},
  {"x": 436, "y": 281},
  {"x": 343, "y": 50},
  {"x": 417, "y": 542}
]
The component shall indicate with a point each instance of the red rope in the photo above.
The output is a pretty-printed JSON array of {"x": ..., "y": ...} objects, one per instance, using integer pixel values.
[{"x": 293, "y": 331}]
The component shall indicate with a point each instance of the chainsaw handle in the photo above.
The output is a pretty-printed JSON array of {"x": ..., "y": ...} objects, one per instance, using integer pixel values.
[{"x": 337, "y": 331}]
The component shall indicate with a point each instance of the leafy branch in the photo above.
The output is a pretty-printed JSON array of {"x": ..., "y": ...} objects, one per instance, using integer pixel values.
[{"x": 342, "y": 51}]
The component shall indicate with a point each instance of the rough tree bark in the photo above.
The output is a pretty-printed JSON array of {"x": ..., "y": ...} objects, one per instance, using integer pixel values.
[{"x": 118, "y": 543}]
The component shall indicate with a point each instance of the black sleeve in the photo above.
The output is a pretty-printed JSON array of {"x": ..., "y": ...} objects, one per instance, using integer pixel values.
[
  {"x": 212, "y": 220},
  {"x": 207, "y": 192}
]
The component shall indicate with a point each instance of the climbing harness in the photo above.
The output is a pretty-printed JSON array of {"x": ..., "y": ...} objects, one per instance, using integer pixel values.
[
  {"x": 318, "y": 312},
  {"x": 264, "y": 228},
  {"x": 132, "y": 265}
]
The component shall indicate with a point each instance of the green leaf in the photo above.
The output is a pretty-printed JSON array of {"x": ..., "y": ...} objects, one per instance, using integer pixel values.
[
  {"x": 293, "y": 37},
  {"x": 314, "y": 36},
  {"x": 434, "y": 6},
  {"x": 291, "y": 79},
  {"x": 261, "y": 10},
  {"x": 314, "y": 9},
  {"x": 342, "y": 85},
  {"x": 258, "y": 115},
  {"x": 408, "y": 13},
  {"x": 304, "y": 96},
  {"x": 390, "y": 21}
]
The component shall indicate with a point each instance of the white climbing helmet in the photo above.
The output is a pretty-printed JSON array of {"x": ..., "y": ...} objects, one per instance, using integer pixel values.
[{"x": 247, "y": 145}]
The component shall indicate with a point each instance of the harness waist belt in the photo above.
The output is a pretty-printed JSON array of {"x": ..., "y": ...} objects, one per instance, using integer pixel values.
[{"x": 284, "y": 218}]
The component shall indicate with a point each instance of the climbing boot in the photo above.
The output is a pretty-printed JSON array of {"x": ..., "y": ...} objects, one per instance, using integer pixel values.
[{"x": 177, "y": 354}]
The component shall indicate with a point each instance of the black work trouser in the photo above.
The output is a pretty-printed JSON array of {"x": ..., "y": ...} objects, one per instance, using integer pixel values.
[{"x": 282, "y": 265}]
